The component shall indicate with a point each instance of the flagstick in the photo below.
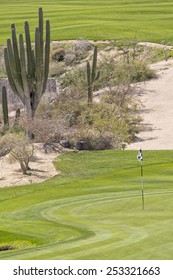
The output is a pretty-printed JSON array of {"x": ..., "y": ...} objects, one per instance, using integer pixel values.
[{"x": 142, "y": 185}]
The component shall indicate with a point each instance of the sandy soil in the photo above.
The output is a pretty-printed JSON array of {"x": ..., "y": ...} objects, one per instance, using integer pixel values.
[
  {"x": 157, "y": 97},
  {"x": 41, "y": 165}
]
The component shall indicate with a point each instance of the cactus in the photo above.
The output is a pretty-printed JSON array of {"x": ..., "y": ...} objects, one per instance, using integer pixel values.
[
  {"x": 5, "y": 107},
  {"x": 27, "y": 68},
  {"x": 92, "y": 76}
]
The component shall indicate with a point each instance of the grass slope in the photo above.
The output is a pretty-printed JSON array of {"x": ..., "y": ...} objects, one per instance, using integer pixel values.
[
  {"x": 92, "y": 210},
  {"x": 93, "y": 19}
]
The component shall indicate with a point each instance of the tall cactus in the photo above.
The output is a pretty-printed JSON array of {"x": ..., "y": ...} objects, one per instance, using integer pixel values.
[
  {"x": 5, "y": 107},
  {"x": 92, "y": 76},
  {"x": 28, "y": 68}
]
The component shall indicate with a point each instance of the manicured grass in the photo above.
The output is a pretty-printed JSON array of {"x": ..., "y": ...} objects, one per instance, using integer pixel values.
[
  {"x": 93, "y": 19},
  {"x": 93, "y": 209}
]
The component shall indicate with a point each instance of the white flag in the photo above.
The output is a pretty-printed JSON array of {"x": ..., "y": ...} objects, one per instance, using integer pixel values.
[{"x": 140, "y": 156}]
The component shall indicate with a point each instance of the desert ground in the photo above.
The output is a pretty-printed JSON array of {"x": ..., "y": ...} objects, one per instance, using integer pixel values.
[
  {"x": 41, "y": 165},
  {"x": 157, "y": 98}
]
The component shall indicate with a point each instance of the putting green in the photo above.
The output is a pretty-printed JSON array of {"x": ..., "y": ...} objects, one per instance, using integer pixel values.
[{"x": 93, "y": 210}]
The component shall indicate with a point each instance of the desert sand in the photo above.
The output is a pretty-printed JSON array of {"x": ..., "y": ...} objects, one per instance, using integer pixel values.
[
  {"x": 157, "y": 97},
  {"x": 41, "y": 165}
]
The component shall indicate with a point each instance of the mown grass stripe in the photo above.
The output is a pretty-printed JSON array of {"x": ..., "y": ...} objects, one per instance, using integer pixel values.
[{"x": 111, "y": 19}]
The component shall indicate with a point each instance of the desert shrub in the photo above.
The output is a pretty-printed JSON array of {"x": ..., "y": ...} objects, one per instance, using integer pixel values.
[
  {"x": 117, "y": 73},
  {"x": 57, "y": 69},
  {"x": 103, "y": 125},
  {"x": 75, "y": 77},
  {"x": 134, "y": 72},
  {"x": 69, "y": 105},
  {"x": 44, "y": 109},
  {"x": 111, "y": 121},
  {"x": 101, "y": 141},
  {"x": 93, "y": 139},
  {"x": 81, "y": 48},
  {"x": 45, "y": 130},
  {"x": 9, "y": 140},
  {"x": 4, "y": 146},
  {"x": 70, "y": 59}
]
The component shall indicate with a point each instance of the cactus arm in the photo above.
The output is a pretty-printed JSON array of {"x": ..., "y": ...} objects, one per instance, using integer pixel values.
[
  {"x": 47, "y": 55},
  {"x": 88, "y": 74},
  {"x": 38, "y": 73},
  {"x": 89, "y": 83},
  {"x": 16, "y": 55},
  {"x": 30, "y": 70},
  {"x": 94, "y": 65},
  {"x": 92, "y": 76},
  {"x": 11, "y": 59},
  {"x": 37, "y": 54},
  {"x": 11, "y": 69},
  {"x": 23, "y": 66},
  {"x": 5, "y": 106},
  {"x": 33, "y": 60},
  {"x": 12, "y": 81},
  {"x": 9, "y": 74},
  {"x": 40, "y": 26}
]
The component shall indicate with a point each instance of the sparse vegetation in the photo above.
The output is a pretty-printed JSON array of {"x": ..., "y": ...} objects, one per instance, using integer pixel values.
[
  {"x": 18, "y": 148},
  {"x": 114, "y": 106}
]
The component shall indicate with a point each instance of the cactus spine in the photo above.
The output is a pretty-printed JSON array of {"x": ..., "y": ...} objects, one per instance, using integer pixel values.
[
  {"x": 5, "y": 107},
  {"x": 28, "y": 68},
  {"x": 92, "y": 76}
]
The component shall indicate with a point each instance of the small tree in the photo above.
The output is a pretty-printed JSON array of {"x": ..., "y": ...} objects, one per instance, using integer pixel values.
[{"x": 22, "y": 152}]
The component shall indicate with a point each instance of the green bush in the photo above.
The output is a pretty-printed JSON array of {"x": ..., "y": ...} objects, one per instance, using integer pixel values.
[
  {"x": 118, "y": 73},
  {"x": 134, "y": 72}
]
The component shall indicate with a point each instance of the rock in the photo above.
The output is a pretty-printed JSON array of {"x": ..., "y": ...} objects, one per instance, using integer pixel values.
[
  {"x": 82, "y": 145},
  {"x": 65, "y": 143}
]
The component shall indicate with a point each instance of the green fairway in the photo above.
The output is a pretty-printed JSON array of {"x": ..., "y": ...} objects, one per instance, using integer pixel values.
[
  {"x": 93, "y": 19},
  {"x": 92, "y": 210}
]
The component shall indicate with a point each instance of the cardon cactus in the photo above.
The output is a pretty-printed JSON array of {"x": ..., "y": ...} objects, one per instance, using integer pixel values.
[
  {"x": 5, "y": 107},
  {"x": 27, "y": 68},
  {"x": 92, "y": 76}
]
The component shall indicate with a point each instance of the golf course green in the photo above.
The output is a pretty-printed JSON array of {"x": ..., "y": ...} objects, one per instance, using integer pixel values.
[
  {"x": 93, "y": 19},
  {"x": 92, "y": 209}
]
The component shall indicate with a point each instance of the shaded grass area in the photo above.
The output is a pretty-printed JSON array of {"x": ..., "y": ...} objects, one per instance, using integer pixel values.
[
  {"x": 93, "y": 19},
  {"x": 92, "y": 210}
]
